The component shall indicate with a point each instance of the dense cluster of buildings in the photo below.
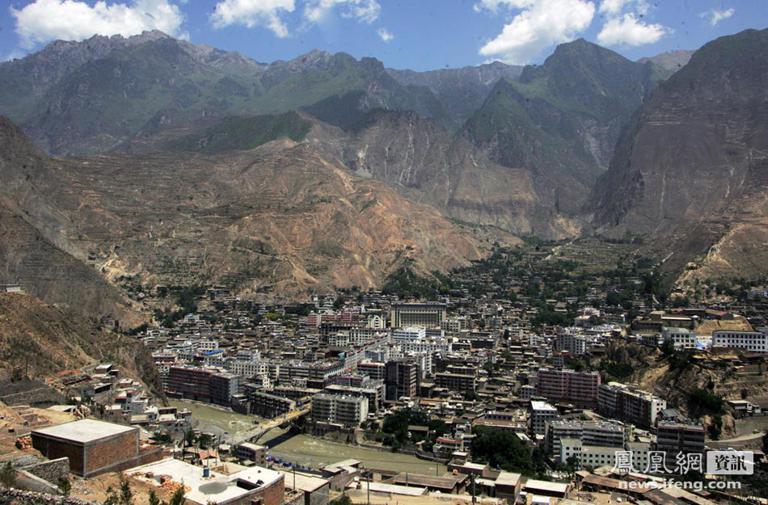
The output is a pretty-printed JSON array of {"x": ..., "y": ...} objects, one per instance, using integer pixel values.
[
  {"x": 351, "y": 364},
  {"x": 345, "y": 365}
]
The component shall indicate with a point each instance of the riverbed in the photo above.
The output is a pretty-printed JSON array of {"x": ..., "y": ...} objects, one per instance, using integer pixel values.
[
  {"x": 316, "y": 452},
  {"x": 216, "y": 419},
  {"x": 304, "y": 449}
]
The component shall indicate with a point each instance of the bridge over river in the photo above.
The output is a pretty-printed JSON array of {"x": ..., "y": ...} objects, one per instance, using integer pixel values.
[{"x": 257, "y": 432}]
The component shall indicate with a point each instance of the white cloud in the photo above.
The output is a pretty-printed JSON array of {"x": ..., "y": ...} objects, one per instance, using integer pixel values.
[
  {"x": 495, "y": 5},
  {"x": 630, "y": 31},
  {"x": 385, "y": 34},
  {"x": 252, "y": 13},
  {"x": 45, "y": 20},
  {"x": 315, "y": 11},
  {"x": 540, "y": 24},
  {"x": 717, "y": 15},
  {"x": 612, "y": 7}
]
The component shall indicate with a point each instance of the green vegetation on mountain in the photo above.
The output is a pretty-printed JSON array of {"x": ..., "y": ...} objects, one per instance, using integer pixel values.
[
  {"x": 244, "y": 132},
  {"x": 94, "y": 96},
  {"x": 561, "y": 119},
  {"x": 406, "y": 282}
]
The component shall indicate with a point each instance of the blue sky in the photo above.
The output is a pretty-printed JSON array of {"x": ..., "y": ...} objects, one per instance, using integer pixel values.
[{"x": 417, "y": 34}]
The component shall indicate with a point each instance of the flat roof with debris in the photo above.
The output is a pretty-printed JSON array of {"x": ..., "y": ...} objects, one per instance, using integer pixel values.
[{"x": 216, "y": 488}]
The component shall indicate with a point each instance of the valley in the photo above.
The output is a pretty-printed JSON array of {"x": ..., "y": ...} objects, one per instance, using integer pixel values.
[{"x": 321, "y": 277}]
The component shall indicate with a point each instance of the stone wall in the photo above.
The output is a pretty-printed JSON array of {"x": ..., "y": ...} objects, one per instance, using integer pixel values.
[
  {"x": 29, "y": 392},
  {"x": 20, "y": 497},
  {"x": 52, "y": 471}
]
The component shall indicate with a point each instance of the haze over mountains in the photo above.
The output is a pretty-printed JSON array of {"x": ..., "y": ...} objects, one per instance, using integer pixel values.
[{"x": 183, "y": 160}]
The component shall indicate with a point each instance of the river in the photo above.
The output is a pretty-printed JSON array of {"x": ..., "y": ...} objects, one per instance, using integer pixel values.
[{"x": 304, "y": 449}]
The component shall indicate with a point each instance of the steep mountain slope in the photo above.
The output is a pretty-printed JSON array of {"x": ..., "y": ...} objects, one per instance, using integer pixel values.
[
  {"x": 281, "y": 216},
  {"x": 460, "y": 90},
  {"x": 92, "y": 96},
  {"x": 34, "y": 257},
  {"x": 561, "y": 120},
  {"x": 666, "y": 64},
  {"x": 40, "y": 340},
  {"x": 25, "y": 81},
  {"x": 693, "y": 165},
  {"x": 425, "y": 162}
]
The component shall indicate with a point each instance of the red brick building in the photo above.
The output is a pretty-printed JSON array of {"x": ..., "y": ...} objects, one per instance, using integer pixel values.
[
  {"x": 568, "y": 386},
  {"x": 93, "y": 447}
]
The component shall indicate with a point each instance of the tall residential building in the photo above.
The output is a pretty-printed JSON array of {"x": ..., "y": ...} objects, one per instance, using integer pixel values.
[
  {"x": 203, "y": 384},
  {"x": 425, "y": 315},
  {"x": 541, "y": 414},
  {"x": 589, "y": 433},
  {"x": 676, "y": 437},
  {"x": 267, "y": 405},
  {"x": 373, "y": 369},
  {"x": 465, "y": 383},
  {"x": 346, "y": 410},
  {"x": 636, "y": 407},
  {"x": 373, "y": 390},
  {"x": 571, "y": 342},
  {"x": 564, "y": 385},
  {"x": 401, "y": 378}
]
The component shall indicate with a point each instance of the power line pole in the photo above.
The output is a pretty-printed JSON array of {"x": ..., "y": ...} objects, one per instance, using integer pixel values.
[{"x": 368, "y": 479}]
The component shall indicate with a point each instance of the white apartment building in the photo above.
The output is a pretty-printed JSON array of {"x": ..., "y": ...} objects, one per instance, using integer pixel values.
[
  {"x": 571, "y": 341},
  {"x": 346, "y": 410},
  {"x": 632, "y": 406},
  {"x": 362, "y": 336},
  {"x": 681, "y": 338},
  {"x": 249, "y": 368},
  {"x": 541, "y": 413},
  {"x": 755, "y": 341},
  {"x": 455, "y": 324},
  {"x": 639, "y": 456},
  {"x": 206, "y": 344},
  {"x": 590, "y": 433},
  {"x": 410, "y": 334},
  {"x": 588, "y": 456},
  {"x": 442, "y": 346}
]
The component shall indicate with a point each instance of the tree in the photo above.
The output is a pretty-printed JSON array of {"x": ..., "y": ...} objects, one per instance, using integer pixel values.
[
  {"x": 178, "y": 496},
  {"x": 65, "y": 487},
  {"x": 153, "y": 499},
  {"x": 342, "y": 500},
  {"x": 189, "y": 437},
  {"x": 126, "y": 495},
  {"x": 506, "y": 451},
  {"x": 7, "y": 475},
  {"x": 205, "y": 440},
  {"x": 112, "y": 498}
]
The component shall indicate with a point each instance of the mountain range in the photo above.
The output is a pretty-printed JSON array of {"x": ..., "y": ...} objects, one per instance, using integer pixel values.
[{"x": 163, "y": 162}]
